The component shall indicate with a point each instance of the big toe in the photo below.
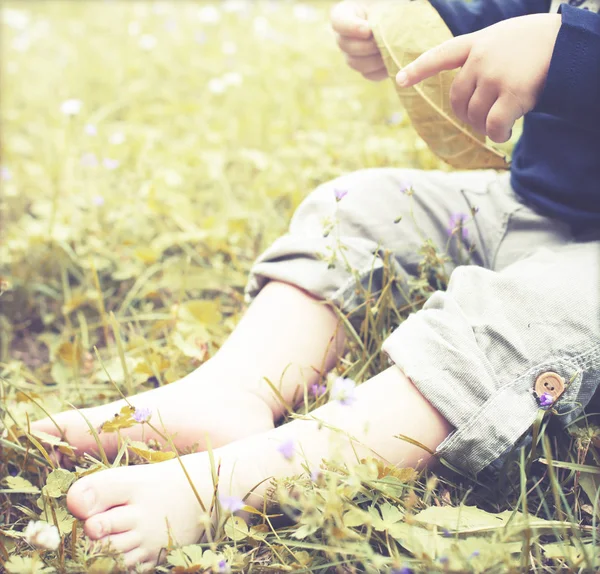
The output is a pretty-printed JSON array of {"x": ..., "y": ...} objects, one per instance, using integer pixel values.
[{"x": 98, "y": 493}]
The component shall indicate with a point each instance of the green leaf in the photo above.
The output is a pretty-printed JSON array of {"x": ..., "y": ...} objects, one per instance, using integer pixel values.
[
  {"x": 236, "y": 528},
  {"x": 58, "y": 483},
  {"x": 21, "y": 485},
  {"x": 390, "y": 515},
  {"x": 27, "y": 565}
]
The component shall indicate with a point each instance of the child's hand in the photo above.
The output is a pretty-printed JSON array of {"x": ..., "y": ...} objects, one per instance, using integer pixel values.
[
  {"x": 354, "y": 37},
  {"x": 504, "y": 68}
]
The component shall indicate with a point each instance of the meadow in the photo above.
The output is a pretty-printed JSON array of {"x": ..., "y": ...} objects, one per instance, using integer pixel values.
[{"x": 150, "y": 152}]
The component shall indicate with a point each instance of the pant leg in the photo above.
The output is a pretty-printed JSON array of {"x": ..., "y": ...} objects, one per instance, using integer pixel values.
[
  {"x": 486, "y": 351},
  {"x": 334, "y": 245}
]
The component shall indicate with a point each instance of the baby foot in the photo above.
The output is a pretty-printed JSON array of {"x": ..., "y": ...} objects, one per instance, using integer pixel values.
[
  {"x": 190, "y": 409},
  {"x": 134, "y": 508}
]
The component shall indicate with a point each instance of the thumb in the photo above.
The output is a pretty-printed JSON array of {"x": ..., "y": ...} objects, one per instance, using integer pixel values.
[{"x": 350, "y": 19}]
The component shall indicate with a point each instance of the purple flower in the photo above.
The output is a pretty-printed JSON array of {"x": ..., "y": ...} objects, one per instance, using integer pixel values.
[
  {"x": 110, "y": 163},
  {"x": 287, "y": 449},
  {"x": 142, "y": 414},
  {"x": 344, "y": 391},
  {"x": 223, "y": 567},
  {"x": 340, "y": 194},
  {"x": 546, "y": 400},
  {"x": 446, "y": 533},
  {"x": 318, "y": 390},
  {"x": 457, "y": 222},
  {"x": 403, "y": 570},
  {"x": 231, "y": 503},
  {"x": 443, "y": 559},
  {"x": 98, "y": 200},
  {"x": 5, "y": 174},
  {"x": 475, "y": 554},
  {"x": 315, "y": 475},
  {"x": 405, "y": 186}
]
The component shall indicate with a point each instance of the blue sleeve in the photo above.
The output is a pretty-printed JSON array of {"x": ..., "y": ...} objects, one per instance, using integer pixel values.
[
  {"x": 572, "y": 89},
  {"x": 465, "y": 16}
]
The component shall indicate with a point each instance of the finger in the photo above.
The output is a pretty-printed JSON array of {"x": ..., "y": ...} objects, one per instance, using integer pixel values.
[
  {"x": 447, "y": 56},
  {"x": 461, "y": 92},
  {"x": 357, "y": 47},
  {"x": 479, "y": 107},
  {"x": 377, "y": 76},
  {"x": 366, "y": 64},
  {"x": 348, "y": 19},
  {"x": 501, "y": 119}
]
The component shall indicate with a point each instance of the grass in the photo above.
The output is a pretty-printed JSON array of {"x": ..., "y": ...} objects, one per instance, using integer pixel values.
[{"x": 128, "y": 230}]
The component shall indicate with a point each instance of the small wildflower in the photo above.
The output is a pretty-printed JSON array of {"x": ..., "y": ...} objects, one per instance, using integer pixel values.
[
  {"x": 405, "y": 186},
  {"x": 231, "y": 503},
  {"x": 318, "y": 390},
  {"x": 546, "y": 400},
  {"x": 446, "y": 533},
  {"x": 403, "y": 570},
  {"x": 315, "y": 475},
  {"x": 223, "y": 567},
  {"x": 89, "y": 160},
  {"x": 147, "y": 42},
  {"x": 98, "y": 201},
  {"x": 262, "y": 27},
  {"x": 42, "y": 535},
  {"x": 340, "y": 194},
  {"x": 305, "y": 13},
  {"x": 209, "y": 15},
  {"x": 287, "y": 449},
  {"x": 396, "y": 118},
  {"x": 142, "y": 414},
  {"x": 475, "y": 554},
  {"x": 5, "y": 174},
  {"x": 110, "y": 163},
  {"x": 117, "y": 138},
  {"x": 344, "y": 391},
  {"x": 457, "y": 221},
  {"x": 90, "y": 129},
  {"x": 217, "y": 86},
  {"x": 443, "y": 559},
  {"x": 71, "y": 107},
  {"x": 234, "y": 6},
  {"x": 200, "y": 38}
]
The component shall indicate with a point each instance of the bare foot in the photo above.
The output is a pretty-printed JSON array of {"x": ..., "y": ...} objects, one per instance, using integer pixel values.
[
  {"x": 191, "y": 408},
  {"x": 130, "y": 507}
]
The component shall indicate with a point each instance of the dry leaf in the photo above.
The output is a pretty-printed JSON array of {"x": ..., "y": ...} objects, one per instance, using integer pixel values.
[
  {"x": 141, "y": 449},
  {"x": 403, "y": 31}
]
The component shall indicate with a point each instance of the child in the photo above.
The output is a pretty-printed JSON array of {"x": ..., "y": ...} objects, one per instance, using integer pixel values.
[{"x": 516, "y": 332}]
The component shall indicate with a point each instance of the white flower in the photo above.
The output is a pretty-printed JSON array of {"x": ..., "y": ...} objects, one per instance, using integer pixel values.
[
  {"x": 233, "y": 78},
  {"x": 117, "y": 138},
  {"x": 98, "y": 200},
  {"x": 209, "y": 14},
  {"x": 200, "y": 38},
  {"x": 15, "y": 19},
  {"x": 90, "y": 129},
  {"x": 147, "y": 42},
  {"x": 71, "y": 107},
  {"x": 229, "y": 48},
  {"x": 89, "y": 160},
  {"x": 42, "y": 535},
  {"x": 217, "y": 86},
  {"x": 235, "y": 5}
]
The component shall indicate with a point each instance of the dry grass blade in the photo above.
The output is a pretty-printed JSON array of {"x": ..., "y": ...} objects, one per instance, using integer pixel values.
[{"x": 403, "y": 31}]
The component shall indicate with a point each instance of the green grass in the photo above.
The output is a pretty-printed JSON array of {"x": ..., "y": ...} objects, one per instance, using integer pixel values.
[{"x": 150, "y": 258}]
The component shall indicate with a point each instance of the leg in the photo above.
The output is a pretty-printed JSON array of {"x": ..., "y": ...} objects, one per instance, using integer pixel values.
[
  {"x": 129, "y": 505},
  {"x": 286, "y": 336}
]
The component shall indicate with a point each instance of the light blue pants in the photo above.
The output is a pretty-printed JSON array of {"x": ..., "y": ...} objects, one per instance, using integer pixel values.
[{"x": 517, "y": 329}]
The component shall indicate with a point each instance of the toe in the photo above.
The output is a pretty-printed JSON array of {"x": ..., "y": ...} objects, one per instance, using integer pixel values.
[
  {"x": 124, "y": 542},
  {"x": 137, "y": 557},
  {"x": 113, "y": 521},
  {"x": 99, "y": 492}
]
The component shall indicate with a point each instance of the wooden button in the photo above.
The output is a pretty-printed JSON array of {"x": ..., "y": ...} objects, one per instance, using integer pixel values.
[{"x": 550, "y": 383}]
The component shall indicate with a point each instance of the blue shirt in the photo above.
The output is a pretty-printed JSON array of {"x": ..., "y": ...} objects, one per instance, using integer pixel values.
[{"x": 556, "y": 163}]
